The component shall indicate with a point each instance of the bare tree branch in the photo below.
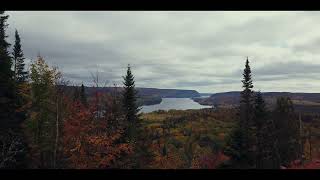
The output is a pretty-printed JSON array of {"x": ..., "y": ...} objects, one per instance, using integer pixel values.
[{"x": 10, "y": 147}]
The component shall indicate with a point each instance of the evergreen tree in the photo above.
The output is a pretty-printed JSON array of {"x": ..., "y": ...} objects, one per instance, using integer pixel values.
[
  {"x": 130, "y": 107},
  {"x": 242, "y": 140},
  {"x": 11, "y": 144},
  {"x": 288, "y": 134},
  {"x": 83, "y": 95},
  {"x": 19, "y": 69},
  {"x": 131, "y": 123},
  {"x": 247, "y": 125},
  {"x": 76, "y": 93},
  {"x": 260, "y": 119},
  {"x": 20, "y": 77},
  {"x": 6, "y": 80},
  {"x": 267, "y": 156}
]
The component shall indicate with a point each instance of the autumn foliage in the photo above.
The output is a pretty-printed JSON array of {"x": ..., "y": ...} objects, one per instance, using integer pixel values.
[
  {"x": 211, "y": 161},
  {"x": 315, "y": 164},
  {"x": 86, "y": 142}
]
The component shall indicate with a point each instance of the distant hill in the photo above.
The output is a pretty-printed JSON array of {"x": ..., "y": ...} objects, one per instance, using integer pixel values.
[
  {"x": 148, "y": 96},
  {"x": 168, "y": 93},
  {"x": 301, "y": 101},
  {"x": 163, "y": 93}
]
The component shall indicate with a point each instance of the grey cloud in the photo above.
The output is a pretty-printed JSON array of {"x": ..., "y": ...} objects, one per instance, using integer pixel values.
[
  {"x": 312, "y": 46},
  {"x": 194, "y": 50},
  {"x": 285, "y": 68}
]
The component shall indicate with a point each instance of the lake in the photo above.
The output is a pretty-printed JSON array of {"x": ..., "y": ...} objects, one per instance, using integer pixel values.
[{"x": 173, "y": 103}]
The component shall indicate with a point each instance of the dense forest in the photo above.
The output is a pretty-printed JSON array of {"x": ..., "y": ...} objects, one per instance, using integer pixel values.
[{"x": 45, "y": 123}]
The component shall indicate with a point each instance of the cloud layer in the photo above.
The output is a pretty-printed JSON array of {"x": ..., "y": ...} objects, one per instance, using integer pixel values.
[{"x": 204, "y": 51}]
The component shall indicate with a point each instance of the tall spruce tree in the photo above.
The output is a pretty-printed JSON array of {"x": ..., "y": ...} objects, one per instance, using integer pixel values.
[
  {"x": 10, "y": 137},
  {"x": 19, "y": 65},
  {"x": 260, "y": 119},
  {"x": 242, "y": 139},
  {"x": 288, "y": 134},
  {"x": 130, "y": 106},
  {"x": 267, "y": 155},
  {"x": 6, "y": 78},
  {"x": 20, "y": 77},
  {"x": 246, "y": 116},
  {"x": 83, "y": 95},
  {"x": 131, "y": 123}
]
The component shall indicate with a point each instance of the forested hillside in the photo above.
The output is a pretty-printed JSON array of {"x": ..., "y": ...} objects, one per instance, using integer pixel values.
[{"x": 304, "y": 102}]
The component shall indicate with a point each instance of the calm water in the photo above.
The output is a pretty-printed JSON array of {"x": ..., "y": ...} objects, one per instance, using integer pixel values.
[{"x": 173, "y": 103}]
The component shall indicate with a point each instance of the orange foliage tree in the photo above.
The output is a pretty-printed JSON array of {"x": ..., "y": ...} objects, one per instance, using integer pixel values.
[
  {"x": 315, "y": 164},
  {"x": 86, "y": 142},
  {"x": 211, "y": 161}
]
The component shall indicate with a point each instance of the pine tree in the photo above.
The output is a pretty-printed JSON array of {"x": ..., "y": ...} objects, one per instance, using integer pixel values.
[
  {"x": 242, "y": 139},
  {"x": 267, "y": 155},
  {"x": 5, "y": 59},
  {"x": 246, "y": 115},
  {"x": 11, "y": 144},
  {"x": 131, "y": 123},
  {"x": 19, "y": 69},
  {"x": 6, "y": 80},
  {"x": 131, "y": 109},
  {"x": 288, "y": 134},
  {"x": 260, "y": 119},
  {"x": 20, "y": 76},
  {"x": 83, "y": 96}
]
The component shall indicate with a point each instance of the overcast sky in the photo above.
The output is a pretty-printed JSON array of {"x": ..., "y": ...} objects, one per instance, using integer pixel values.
[{"x": 204, "y": 51}]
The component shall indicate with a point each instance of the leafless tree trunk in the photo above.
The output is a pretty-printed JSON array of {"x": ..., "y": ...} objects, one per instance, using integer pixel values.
[
  {"x": 95, "y": 78},
  {"x": 59, "y": 116},
  {"x": 57, "y": 134}
]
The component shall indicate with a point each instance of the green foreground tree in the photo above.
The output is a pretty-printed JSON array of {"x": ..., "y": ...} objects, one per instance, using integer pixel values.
[
  {"x": 19, "y": 66},
  {"x": 43, "y": 114},
  {"x": 6, "y": 78},
  {"x": 241, "y": 142},
  {"x": 130, "y": 106},
  {"x": 287, "y": 125},
  {"x": 267, "y": 154}
]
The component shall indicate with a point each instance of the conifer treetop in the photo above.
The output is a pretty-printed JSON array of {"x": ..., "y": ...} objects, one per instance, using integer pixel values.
[{"x": 247, "y": 81}]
